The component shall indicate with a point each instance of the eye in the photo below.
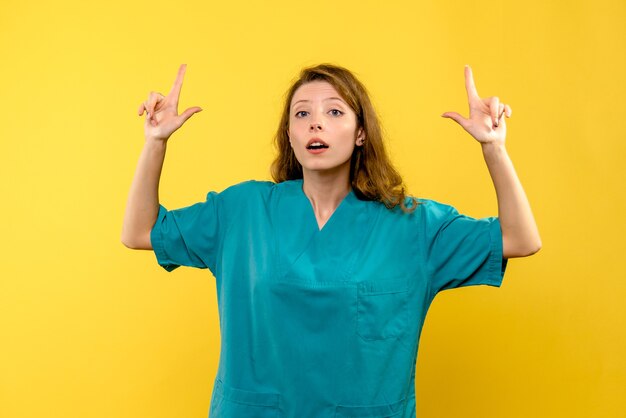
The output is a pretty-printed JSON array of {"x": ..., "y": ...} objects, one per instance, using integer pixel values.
[
  {"x": 302, "y": 111},
  {"x": 339, "y": 112}
]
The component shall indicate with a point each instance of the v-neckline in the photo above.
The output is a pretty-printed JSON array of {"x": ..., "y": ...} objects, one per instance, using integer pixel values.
[
  {"x": 310, "y": 255},
  {"x": 311, "y": 210}
]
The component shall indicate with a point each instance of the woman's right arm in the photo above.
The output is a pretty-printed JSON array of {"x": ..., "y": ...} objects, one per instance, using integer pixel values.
[
  {"x": 142, "y": 207},
  {"x": 162, "y": 120}
]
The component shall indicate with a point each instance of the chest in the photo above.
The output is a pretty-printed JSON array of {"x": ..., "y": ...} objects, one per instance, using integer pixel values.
[{"x": 360, "y": 241}]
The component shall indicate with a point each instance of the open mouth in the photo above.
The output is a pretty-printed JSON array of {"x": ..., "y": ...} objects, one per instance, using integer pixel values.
[
  {"x": 316, "y": 143},
  {"x": 316, "y": 146}
]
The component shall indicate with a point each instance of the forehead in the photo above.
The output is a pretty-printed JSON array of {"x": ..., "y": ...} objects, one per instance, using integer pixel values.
[{"x": 315, "y": 90}]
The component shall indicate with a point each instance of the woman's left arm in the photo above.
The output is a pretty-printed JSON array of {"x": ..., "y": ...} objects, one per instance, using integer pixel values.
[{"x": 520, "y": 236}]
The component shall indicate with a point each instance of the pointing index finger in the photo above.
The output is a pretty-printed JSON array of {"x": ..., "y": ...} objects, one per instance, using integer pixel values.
[
  {"x": 178, "y": 83},
  {"x": 472, "y": 94}
]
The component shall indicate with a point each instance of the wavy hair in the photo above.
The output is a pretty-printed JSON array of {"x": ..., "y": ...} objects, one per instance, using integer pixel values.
[{"x": 372, "y": 175}]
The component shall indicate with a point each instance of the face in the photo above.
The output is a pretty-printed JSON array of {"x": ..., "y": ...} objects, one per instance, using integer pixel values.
[{"x": 318, "y": 111}]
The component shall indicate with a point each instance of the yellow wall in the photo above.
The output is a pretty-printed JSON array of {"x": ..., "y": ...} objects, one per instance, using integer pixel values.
[{"x": 89, "y": 328}]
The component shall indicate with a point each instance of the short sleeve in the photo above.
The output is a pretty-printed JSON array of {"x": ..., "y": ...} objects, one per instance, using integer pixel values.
[
  {"x": 461, "y": 250},
  {"x": 188, "y": 236}
]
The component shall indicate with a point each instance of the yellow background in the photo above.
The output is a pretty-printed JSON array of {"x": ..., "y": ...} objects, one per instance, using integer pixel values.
[{"x": 90, "y": 328}]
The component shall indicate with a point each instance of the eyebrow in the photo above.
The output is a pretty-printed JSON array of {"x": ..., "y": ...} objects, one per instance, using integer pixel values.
[{"x": 329, "y": 98}]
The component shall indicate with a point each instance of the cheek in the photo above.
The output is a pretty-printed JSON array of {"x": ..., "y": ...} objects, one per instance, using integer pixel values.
[
  {"x": 348, "y": 123},
  {"x": 347, "y": 129},
  {"x": 294, "y": 126}
]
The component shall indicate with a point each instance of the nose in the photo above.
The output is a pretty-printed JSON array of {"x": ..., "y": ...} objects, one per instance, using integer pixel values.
[{"x": 316, "y": 126}]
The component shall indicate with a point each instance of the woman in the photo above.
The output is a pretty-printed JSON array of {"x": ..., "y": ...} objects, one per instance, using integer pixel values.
[{"x": 324, "y": 276}]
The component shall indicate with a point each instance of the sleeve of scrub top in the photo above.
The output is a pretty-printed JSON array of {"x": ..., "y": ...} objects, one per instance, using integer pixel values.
[
  {"x": 188, "y": 236},
  {"x": 460, "y": 250}
]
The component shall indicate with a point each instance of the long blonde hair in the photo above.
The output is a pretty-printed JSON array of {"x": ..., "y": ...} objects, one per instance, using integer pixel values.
[{"x": 372, "y": 175}]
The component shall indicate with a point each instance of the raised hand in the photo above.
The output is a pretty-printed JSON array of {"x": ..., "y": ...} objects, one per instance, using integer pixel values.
[
  {"x": 162, "y": 117},
  {"x": 485, "y": 122}
]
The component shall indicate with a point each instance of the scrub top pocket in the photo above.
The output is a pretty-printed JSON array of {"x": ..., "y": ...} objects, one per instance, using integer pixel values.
[
  {"x": 393, "y": 410},
  {"x": 231, "y": 402},
  {"x": 382, "y": 308}
]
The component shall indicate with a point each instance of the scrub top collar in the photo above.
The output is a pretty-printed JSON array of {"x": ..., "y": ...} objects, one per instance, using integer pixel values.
[
  {"x": 348, "y": 200},
  {"x": 305, "y": 251}
]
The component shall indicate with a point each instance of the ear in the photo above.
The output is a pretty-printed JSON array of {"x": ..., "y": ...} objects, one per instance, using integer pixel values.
[{"x": 360, "y": 137}]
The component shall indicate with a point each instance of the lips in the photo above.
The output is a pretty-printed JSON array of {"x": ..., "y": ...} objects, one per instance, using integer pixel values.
[{"x": 316, "y": 140}]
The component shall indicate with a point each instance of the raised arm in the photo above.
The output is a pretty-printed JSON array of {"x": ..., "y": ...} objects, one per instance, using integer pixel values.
[
  {"x": 162, "y": 120},
  {"x": 520, "y": 236}
]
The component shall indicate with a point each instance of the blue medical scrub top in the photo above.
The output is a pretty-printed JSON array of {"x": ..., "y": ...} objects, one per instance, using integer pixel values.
[{"x": 323, "y": 323}]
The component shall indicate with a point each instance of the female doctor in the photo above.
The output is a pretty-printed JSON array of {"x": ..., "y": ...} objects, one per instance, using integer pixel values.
[{"x": 324, "y": 276}]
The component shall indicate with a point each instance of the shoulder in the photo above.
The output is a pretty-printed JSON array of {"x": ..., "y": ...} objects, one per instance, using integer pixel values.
[
  {"x": 257, "y": 189},
  {"x": 434, "y": 207},
  {"x": 425, "y": 207},
  {"x": 241, "y": 200},
  {"x": 428, "y": 213},
  {"x": 250, "y": 195},
  {"x": 413, "y": 226},
  {"x": 249, "y": 186},
  {"x": 248, "y": 189}
]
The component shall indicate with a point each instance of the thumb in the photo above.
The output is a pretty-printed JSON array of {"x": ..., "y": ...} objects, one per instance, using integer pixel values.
[
  {"x": 455, "y": 117},
  {"x": 188, "y": 113}
]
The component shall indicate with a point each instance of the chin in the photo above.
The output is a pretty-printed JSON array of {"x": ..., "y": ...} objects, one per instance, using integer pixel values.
[{"x": 326, "y": 166}]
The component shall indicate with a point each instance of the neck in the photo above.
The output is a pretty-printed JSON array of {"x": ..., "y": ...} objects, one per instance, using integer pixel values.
[{"x": 325, "y": 189}]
